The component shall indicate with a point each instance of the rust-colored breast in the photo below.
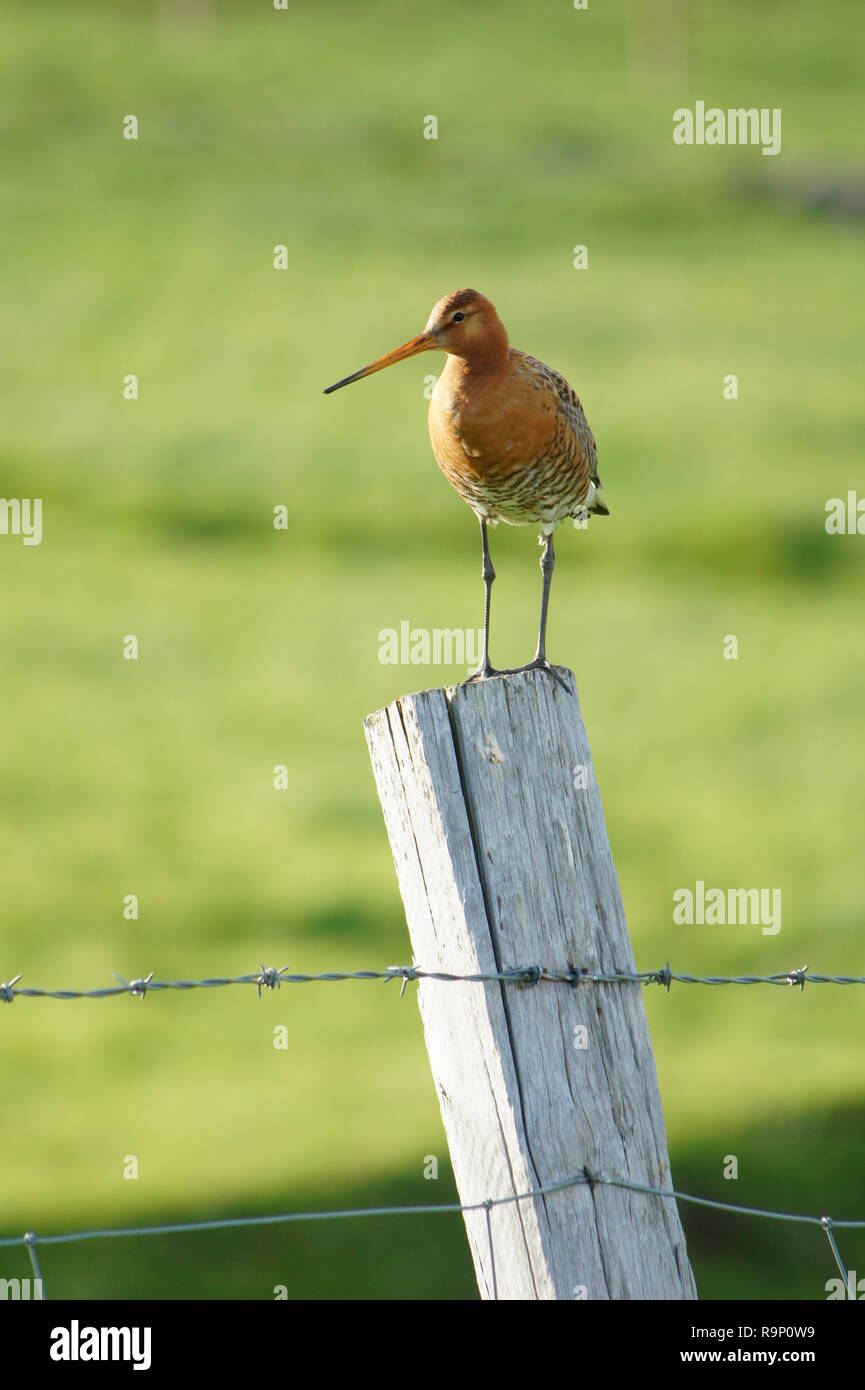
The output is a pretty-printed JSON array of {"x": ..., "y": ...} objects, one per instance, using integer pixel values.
[{"x": 515, "y": 445}]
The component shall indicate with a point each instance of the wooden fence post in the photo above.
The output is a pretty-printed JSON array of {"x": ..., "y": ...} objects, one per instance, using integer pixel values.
[{"x": 501, "y": 851}]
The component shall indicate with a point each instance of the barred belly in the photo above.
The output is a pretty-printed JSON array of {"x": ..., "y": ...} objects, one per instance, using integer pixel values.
[{"x": 544, "y": 491}]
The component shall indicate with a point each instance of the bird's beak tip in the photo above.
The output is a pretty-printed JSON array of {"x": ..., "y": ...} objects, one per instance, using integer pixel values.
[{"x": 421, "y": 343}]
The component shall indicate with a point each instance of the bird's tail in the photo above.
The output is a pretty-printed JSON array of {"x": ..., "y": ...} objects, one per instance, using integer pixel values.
[{"x": 595, "y": 504}]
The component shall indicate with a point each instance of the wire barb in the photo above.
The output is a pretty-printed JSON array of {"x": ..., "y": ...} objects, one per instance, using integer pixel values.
[
  {"x": 137, "y": 988},
  {"x": 664, "y": 977},
  {"x": 7, "y": 991},
  {"x": 404, "y": 972},
  {"x": 270, "y": 978}
]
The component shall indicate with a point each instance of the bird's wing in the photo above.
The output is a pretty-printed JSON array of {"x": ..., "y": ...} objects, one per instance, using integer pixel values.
[{"x": 572, "y": 412}]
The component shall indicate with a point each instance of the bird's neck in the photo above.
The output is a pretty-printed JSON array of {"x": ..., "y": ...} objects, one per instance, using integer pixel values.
[{"x": 488, "y": 357}]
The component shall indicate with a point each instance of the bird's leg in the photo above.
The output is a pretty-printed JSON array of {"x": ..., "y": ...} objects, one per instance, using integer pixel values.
[
  {"x": 540, "y": 663},
  {"x": 488, "y": 574},
  {"x": 548, "y": 562}
]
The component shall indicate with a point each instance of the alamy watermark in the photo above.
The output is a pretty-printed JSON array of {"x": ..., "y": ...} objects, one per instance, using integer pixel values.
[
  {"x": 21, "y": 1290},
  {"x": 712, "y": 907},
  {"x": 21, "y": 516},
  {"x": 438, "y": 646},
  {"x": 845, "y": 518},
  {"x": 736, "y": 126},
  {"x": 77, "y": 1343},
  {"x": 851, "y": 1288}
]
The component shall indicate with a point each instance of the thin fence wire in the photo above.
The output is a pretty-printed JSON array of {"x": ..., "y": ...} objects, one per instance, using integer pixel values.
[
  {"x": 268, "y": 977},
  {"x": 586, "y": 1178}
]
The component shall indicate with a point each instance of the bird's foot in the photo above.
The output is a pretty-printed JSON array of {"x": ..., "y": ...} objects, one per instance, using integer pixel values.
[
  {"x": 483, "y": 673},
  {"x": 540, "y": 663}
]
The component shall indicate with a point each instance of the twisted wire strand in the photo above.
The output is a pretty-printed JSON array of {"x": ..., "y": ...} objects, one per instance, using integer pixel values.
[{"x": 269, "y": 978}]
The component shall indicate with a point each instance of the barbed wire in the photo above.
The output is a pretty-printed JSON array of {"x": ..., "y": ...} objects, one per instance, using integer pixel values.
[
  {"x": 268, "y": 977},
  {"x": 586, "y": 1178}
]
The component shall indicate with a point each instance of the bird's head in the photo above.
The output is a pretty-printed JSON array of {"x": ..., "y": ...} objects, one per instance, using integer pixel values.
[{"x": 463, "y": 324}]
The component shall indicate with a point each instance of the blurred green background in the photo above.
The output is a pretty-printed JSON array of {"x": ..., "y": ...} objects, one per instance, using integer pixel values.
[{"x": 259, "y": 647}]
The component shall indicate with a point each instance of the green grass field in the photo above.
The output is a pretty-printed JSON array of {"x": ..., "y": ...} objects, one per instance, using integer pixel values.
[{"x": 260, "y": 647}]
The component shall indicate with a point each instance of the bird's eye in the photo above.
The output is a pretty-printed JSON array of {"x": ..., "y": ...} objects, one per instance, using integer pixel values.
[{"x": 458, "y": 317}]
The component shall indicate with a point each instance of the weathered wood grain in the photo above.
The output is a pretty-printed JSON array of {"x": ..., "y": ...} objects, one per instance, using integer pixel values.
[{"x": 503, "y": 861}]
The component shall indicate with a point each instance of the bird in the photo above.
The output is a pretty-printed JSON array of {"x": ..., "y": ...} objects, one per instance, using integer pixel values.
[{"x": 511, "y": 437}]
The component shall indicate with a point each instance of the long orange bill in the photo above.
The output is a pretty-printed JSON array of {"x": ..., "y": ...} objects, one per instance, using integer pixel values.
[{"x": 422, "y": 343}]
